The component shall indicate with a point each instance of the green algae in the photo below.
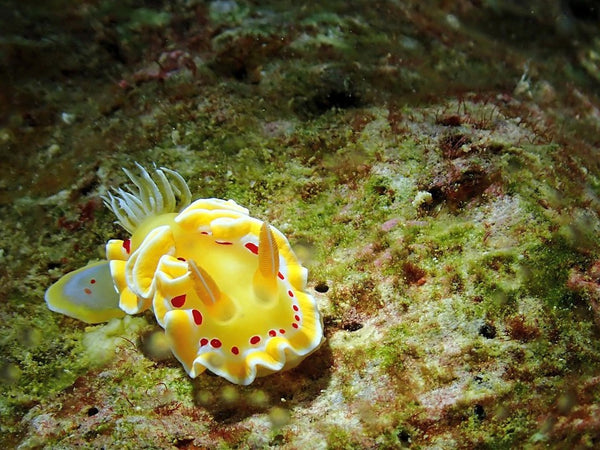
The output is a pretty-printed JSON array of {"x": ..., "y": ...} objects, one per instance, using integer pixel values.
[
  {"x": 441, "y": 243},
  {"x": 547, "y": 269},
  {"x": 397, "y": 345}
]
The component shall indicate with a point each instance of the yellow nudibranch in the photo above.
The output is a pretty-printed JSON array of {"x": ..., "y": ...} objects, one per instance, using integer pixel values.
[{"x": 226, "y": 287}]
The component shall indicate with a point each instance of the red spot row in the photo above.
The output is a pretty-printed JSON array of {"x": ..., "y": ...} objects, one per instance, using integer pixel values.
[
  {"x": 88, "y": 291},
  {"x": 296, "y": 316},
  {"x": 215, "y": 343},
  {"x": 127, "y": 245},
  {"x": 223, "y": 242},
  {"x": 280, "y": 275},
  {"x": 273, "y": 333},
  {"x": 290, "y": 293}
]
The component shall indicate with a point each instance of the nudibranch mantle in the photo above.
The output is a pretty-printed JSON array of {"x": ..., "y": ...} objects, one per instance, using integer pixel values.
[{"x": 226, "y": 287}]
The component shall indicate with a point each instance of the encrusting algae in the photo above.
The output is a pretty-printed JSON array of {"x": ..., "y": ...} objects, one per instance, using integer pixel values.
[{"x": 227, "y": 288}]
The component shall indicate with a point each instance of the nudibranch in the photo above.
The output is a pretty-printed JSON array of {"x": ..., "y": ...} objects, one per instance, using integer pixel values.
[{"x": 227, "y": 288}]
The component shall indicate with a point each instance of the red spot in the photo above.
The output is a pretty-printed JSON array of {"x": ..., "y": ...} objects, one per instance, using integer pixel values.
[
  {"x": 255, "y": 340},
  {"x": 215, "y": 343},
  {"x": 272, "y": 333},
  {"x": 297, "y": 317},
  {"x": 92, "y": 281},
  {"x": 87, "y": 291},
  {"x": 203, "y": 342},
  {"x": 290, "y": 293},
  {"x": 295, "y": 307},
  {"x": 181, "y": 259},
  {"x": 204, "y": 232},
  {"x": 197, "y": 316},
  {"x": 223, "y": 242},
  {"x": 127, "y": 245},
  {"x": 295, "y": 325},
  {"x": 235, "y": 350},
  {"x": 282, "y": 331},
  {"x": 280, "y": 275},
  {"x": 252, "y": 247},
  {"x": 178, "y": 301}
]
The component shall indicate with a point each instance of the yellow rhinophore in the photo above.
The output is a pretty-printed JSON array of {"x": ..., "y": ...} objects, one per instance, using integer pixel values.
[{"x": 226, "y": 287}]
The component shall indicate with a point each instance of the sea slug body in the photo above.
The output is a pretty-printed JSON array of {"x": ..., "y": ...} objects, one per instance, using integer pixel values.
[{"x": 227, "y": 288}]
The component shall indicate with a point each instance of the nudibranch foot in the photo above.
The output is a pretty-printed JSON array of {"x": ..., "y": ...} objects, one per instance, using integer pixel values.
[
  {"x": 226, "y": 287},
  {"x": 87, "y": 294}
]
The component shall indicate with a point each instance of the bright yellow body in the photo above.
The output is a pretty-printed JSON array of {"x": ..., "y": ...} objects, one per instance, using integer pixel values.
[
  {"x": 250, "y": 324},
  {"x": 227, "y": 288}
]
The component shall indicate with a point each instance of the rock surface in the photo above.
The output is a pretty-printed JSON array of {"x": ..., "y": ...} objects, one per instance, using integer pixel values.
[{"x": 434, "y": 164}]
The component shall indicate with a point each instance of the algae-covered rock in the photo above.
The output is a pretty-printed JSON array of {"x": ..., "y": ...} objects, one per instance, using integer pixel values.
[{"x": 433, "y": 164}]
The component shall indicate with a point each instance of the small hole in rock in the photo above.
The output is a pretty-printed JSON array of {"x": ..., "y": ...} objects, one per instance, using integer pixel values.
[
  {"x": 352, "y": 326},
  {"x": 92, "y": 411},
  {"x": 487, "y": 330},
  {"x": 321, "y": 287},
  {"x": 479, "y": 412},
  {"x": 404, "y": 436}
]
